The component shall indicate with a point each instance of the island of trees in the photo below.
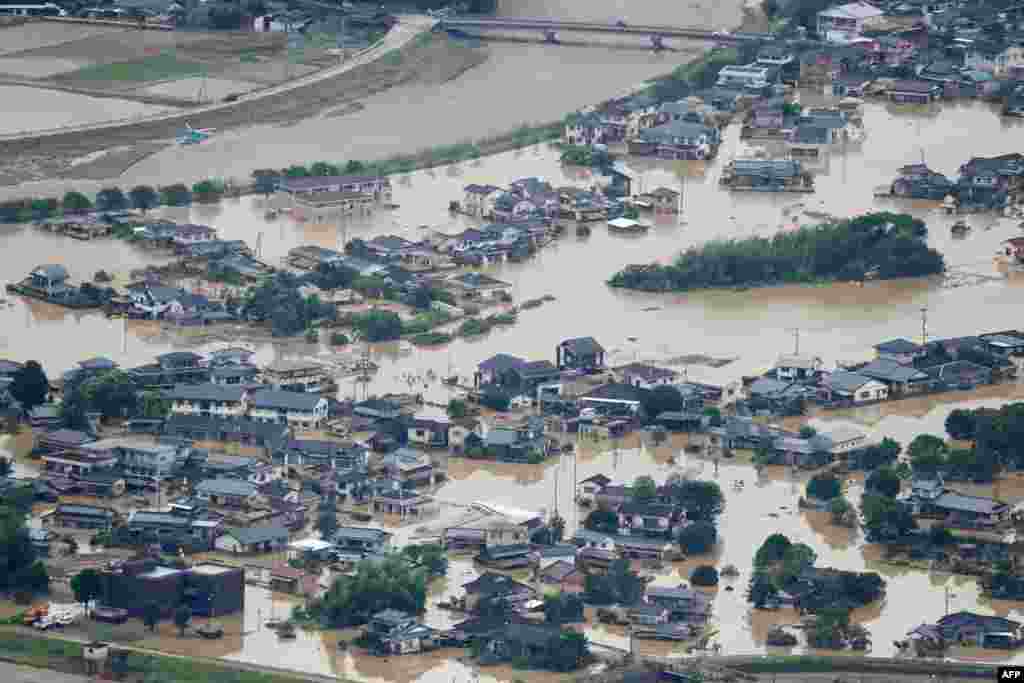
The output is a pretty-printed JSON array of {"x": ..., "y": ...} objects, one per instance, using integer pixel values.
[{"x": 879, "y": 245}]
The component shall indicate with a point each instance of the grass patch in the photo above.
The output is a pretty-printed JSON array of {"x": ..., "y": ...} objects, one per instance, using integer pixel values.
[
  {"x": 162, "y": 67},
  {"x": 431, "y": 339},
  {"x": 60, "y": 655}
]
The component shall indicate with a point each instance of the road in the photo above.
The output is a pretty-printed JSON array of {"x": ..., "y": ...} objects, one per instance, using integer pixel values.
[{"x": 12, "y": 673}]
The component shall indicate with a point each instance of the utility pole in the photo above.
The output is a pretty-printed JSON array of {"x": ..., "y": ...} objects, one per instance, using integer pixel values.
[
  {"x": 796, "y": 340},
  {"x": 924, "y": 326},
  {"x": 949, "y": 595}
]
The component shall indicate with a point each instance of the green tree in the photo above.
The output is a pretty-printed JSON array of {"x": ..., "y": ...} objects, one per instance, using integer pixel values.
[
  {"x": 112, "y": 393},
  {"x": 603, "y": 521},
  {"x": 355, "y": 167},
  {"x": 824, "y": 486},
  {"x": 698, "y": 538},
  {"x": 143, "y": 197},
  {"x": 939, "y": 535},
  {"x": 20, "y": 571},
  {"x": 563, "y": 608},
  {"x": 151, "y": 615},
  {"x": 30, "y": 387},
  {"x": 496, "y": 399},
  {"x": 430, "y": 556},
  {"x": 296, "y": 171},
  {"x": 76, "y": 201},
  {"x": 374, "y": 585},
  {"x": 877, "y": 455},
  {"x": 208, "y": 190},
  {"x": 378, "y": 325},
  {"x": 884, "y": 518},
  {"x": 927, "y": 453},
  {"x": 41, "y": 209},
  {"x": 702, "y": 500},
  {"x": 961, "y": 424},
  {"x": 340, "y": 339},
  {"x": 182, "y": 617},
  {"x": 799, "y": 557},
  {"x": 457, "y": 409},
  {"x": 111, "y": 199},
  {"x": 704, "y": 575},
  {"x": 884, "y": 481},
  {"x": 155, "y": 406},
  {"x": 772, "y": 550},
  {"x": 644, "y": 488},
  {"x": 177, "y": 194},
  {"x": 761, "y": 590},
  {"x": 87, "y": 585},
  {"x": 808, "y": 432},
  {"x": 324, "y": 168},
  {"x": 660, "y": 400}
]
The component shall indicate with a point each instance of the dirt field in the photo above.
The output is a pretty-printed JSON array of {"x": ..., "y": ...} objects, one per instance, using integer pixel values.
[{"x": 423, "y": 62}]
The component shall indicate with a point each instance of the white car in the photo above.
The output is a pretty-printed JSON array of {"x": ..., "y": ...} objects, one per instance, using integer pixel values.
[{"x": 521, "y": 402}]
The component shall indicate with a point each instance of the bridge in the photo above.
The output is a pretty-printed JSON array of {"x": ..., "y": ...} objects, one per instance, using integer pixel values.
[{"x": 549, "y": 29}]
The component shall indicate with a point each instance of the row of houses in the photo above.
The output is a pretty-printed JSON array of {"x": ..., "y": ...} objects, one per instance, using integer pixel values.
[{"x": 983, "y": 182}]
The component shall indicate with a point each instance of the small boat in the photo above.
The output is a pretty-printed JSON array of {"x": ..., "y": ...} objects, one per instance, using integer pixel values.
[{"x": 960, "y": 228}]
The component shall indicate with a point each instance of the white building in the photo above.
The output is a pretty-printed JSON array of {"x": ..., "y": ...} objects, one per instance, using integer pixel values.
[
  {"x": 296, "y": 409},
  {"x": 213, "y": 400},
  {"x": 843, "y": 23}
]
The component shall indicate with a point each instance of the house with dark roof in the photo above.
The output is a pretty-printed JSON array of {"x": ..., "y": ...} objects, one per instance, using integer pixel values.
[
  {"x": 648, "y": 519},
  {"x": 303, "y": 410},
  {"x": 393, "y": 632},
  {"x": 516, "y": 443},
  {"x": 495, "y": 369},
  {"x": 478, "y": 200},
  {"x": 271, "y": 436},
  {"x": 492, "y": 587},
  {"x": 507, "y": 557},
  {"x": 851, "y": 388},
  {"x": 644, "y": 375},
  {"x": 980, "y": 630},
  {"x": 330, "y": 454},
  {"x": 580, "y": 353},
  {"x": 901, "y": 351},
  {"x": 902, "y": 380},
  {"x": 378, "y": 186},
  {"x": 684, "y": 604},
  {"x": 960, "y": 374},
  {"x": 227, "y": 492},
  {"x": 525, "y": 641},
  {"x": 170, "y": 369},
  {"x": 83, "y": 517},
  {"x": 250, "y": 540},
  {"x": 207, "y": 400},
  {"x": 361, "y": 539},
  {"x": 915, "y": 92}
]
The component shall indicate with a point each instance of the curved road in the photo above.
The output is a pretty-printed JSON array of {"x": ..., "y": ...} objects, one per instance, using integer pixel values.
[{"x": 150, "y": 127}]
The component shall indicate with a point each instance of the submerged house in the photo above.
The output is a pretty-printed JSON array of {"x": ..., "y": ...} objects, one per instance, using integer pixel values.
[
  {"x": 679, "y": 139},
  {"x": 917, "y": 181},
  {"x": 580, "y": 353},
  {"x": 774, "y": 175}
]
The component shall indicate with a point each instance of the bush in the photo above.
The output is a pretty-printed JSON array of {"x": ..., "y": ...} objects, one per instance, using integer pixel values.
[
  {"x": 496, "y": 400},
  {"x": 473, "y": 327},
  {"x": 208, "y": 190},
  {"x": 111, "y": 199},
  {"x": 312, "y": 335},
  {"x": 176, "y": 195},
  {"x": 339, "y": 339},
  {"x": 76, "y": 201},
  {"x": 698, "y": 538},
  {"x": 431, "y": 339},
  {"x": 143, "y": 197},
  {"x": 704, "y": 575},
  {"x": 824, "y": 486}
]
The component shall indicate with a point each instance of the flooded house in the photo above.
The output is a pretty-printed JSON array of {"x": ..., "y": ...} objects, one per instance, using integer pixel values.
[
  {"x": 507, "y": 557},
  {"x": 312, "y": 257},
  {"x": 480, "y": 286},
  {"x": 843, "y": 23},
  {"x": 297, "y": 375},
  {"x": 917, "y": 181},
  {"x": 581, "y": 353},
  {"x": 902, "y": 380},
  {"x": 297, "y": 410},
  {"x": 478, "y": 200},
  {"x": 841, "y": 387},
  {"x": 914, "y": 92},
  {"x": 409, "y": 467},
  {"x": 767, "y": 175},
  {"x": 379, "y": 187},
  {"x": 644, "y": 375},
  {"x": 563, "y": 575},
  {"x": 266, "y": 538},
  {"x": 677, "y": 140},
  {"x": 50, "y": 279},
  {"x": 209, "y": 589},
  {"x": 929, "y": 497},
  {"x": 980, "y": 630},
  {"x": 584, "y": 129},
  {"x": 491, "y": 587},
  {"x": 682, "y": 603},
  {"x": 394, "y": 632},
  {"x": 173, "y": 369},
  {"x": 74, "y": 516},
  {"x": 361, "y": 540},
  {"x": 227, "y": 492},
  {"x": 795, "y": 367}
]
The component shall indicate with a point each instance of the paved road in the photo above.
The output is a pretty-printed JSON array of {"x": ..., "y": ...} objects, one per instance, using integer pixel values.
[{"x": 12, "y": 673}]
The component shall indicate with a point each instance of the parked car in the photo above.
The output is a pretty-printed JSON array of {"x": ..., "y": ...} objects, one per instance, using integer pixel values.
[{"x": 521, "y": 402}]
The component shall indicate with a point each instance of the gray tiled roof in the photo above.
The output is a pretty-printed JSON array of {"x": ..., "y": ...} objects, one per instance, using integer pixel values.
[
  {"x": 205, "y": 392},
  {"x": 258, "y": 534},
  {"x": 285, "y": 400},
  {"x": 226, "y": 487}
]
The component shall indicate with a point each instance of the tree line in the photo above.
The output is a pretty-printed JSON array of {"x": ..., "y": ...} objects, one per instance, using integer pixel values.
[{"x": 883, "y": 245}]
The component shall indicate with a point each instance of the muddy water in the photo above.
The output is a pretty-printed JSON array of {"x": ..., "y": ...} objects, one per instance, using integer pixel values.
[
  {"x": 839, "y": 322},
  {"x": 689, "y": 13},
  {"x": 32, "y": 109}
]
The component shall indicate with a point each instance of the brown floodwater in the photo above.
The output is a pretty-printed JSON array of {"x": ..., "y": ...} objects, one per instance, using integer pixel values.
[{"x": 838, "y": 322}]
